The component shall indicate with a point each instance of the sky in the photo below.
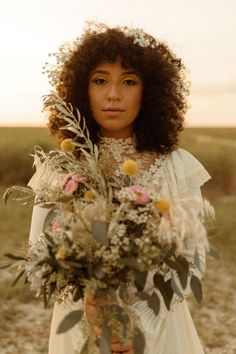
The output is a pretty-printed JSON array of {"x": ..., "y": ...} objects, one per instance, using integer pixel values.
[{"x": 201, "y": 32}]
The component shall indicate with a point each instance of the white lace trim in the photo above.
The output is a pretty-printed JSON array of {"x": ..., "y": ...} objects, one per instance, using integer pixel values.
[{"x": 113, "y": 152}]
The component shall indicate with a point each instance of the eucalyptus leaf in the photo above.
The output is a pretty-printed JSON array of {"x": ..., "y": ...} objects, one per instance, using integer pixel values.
[
  {"x": 140, "y": 280},
  {"x": 77, "y": 294},
  {"x": 197, "y": 261},
  {"x": 154, "y": 303},
  {"x": 6, "y": 264},
  {"x": 85, "y": 348},
  {"x": 131, "y": 263},
  {"x": 49, "y": 218},
  {"x": 138, "y": 342},
  {"x": 176, "y": 287},
  {"x": 99, "y": 231},
  {"x": 142, "y": 295},
  {"x": 16, "y": 258},
  {"x": 196, "y": 288},
  {"x": 105, "y": 340},
  {"x": 165, "y": 288},
  {"x": 70, "y": 321},
  {"x": 174, "y": 264},
  {"x": 170, "y": 251},
  {"x": 123, "y": 292},
  {"x": 213, "y": 252},
  {"x": 15, "y": 281}
]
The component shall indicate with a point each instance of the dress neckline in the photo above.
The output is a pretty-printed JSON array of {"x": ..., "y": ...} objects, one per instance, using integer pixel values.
[{"x": 120, "y": 149}]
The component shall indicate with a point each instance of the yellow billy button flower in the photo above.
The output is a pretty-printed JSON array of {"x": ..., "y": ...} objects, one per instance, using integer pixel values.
[
  {"x": 162, "y": 205},
  {"x": 130, "y": 168},
  {"x": 67, "y": 145},
  {"x": 61, "y": 252},
  {"x": 89, "y": 195}
]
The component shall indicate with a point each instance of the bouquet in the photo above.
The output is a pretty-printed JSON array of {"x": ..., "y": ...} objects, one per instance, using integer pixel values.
[{"x": 104, "y": 233}]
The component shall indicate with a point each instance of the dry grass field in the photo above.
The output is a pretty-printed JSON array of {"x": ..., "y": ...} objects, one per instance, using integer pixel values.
[{"x": 24, "y": 324}]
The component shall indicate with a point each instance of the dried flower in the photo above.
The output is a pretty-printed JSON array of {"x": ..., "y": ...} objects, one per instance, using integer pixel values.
[
  {"x": 71, "y": 183},
  {"x": 162, "y": 205},
  {"x": 67, "y": 145},
  {"x": 130, "y": 168},
  {"x": 141, "y": 195},
  {"x": 89, "y": 195},
  {"x": 61, "y": 252}
]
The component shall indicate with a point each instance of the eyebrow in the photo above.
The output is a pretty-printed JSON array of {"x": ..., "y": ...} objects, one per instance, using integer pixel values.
[{"x": 129, "y": 72}]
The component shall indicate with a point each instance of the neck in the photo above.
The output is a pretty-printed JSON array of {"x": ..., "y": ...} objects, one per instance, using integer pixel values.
[{"x": 116, "y": 134}]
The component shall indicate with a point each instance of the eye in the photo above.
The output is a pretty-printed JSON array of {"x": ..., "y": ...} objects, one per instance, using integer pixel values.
[
  {"x": 129, "y": 81},
  {"x": 99, "y": 80}
]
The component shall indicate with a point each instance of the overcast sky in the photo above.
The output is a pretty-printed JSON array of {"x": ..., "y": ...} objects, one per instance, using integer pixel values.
[{"x": 201, "y": 32}]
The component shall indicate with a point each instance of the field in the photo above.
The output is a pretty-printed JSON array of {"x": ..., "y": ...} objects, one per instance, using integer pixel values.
[{"x": 24, "y": 325}]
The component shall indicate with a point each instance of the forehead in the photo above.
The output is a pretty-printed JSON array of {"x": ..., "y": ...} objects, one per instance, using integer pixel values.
[{"x": 117, "y": 65}]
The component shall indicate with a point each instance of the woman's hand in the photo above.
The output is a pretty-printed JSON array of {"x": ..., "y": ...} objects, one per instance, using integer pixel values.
[{"x": 91, "y": 311}]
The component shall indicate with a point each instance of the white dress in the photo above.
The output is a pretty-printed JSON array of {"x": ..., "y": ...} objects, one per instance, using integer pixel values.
[{"x": 170, "y": 332}]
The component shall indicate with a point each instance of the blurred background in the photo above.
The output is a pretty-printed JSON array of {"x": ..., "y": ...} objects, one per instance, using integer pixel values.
[{"x": 203, "y": 34}]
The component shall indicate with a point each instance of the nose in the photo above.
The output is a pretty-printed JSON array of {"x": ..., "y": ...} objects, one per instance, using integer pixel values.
[{"x": 114, "y": 92}]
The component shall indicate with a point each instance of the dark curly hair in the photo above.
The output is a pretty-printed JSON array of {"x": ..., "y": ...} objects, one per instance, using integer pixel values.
[{"x": 164, "y": 86}]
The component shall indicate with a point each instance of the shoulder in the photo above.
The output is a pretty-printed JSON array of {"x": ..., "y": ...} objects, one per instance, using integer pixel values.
[{"x": 188, "y": 170}]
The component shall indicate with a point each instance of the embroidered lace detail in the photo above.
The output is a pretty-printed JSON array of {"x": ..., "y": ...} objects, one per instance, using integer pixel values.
[
  {"x": 115, "y": 151},
  {"x": 190, "y": 182}
]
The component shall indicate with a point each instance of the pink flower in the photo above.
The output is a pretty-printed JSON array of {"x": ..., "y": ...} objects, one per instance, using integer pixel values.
[
  {"x": 71, "y": 183},
  {"x": 55, "y": 226},
  {"x": 140, "y": 193}
]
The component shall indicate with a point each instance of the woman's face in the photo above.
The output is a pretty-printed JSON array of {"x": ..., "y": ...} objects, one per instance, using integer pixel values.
[{"x": 115, "y": 95}]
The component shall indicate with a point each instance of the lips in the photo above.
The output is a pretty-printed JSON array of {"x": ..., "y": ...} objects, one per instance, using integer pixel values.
[{"x": 110, "y": 109}]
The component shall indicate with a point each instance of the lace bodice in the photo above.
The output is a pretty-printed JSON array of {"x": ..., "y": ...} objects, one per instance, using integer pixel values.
[{"x": 115, "y": 151}]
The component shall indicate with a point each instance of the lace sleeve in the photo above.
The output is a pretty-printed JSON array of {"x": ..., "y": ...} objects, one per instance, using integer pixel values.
[{"x": 190, "y": 174}]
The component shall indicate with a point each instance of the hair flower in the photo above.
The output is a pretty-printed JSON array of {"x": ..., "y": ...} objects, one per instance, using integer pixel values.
[{"x": 130, "y": 168}]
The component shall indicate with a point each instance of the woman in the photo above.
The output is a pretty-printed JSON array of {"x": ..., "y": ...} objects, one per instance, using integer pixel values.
[{"x": 132, "y": 92}]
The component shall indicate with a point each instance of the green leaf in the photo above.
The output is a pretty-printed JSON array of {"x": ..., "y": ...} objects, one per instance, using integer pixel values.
[
  {"x": 5, "y": 264},
  {"x": 123, "y": 292},
  {"x": 85, "y": 348},
  {"x": 131, "y": 263},
  {"x": 154, "y": 303},
  {"x": 174, "y": 264},
  {"x": 77, "y": 294},
  {"x": 65, "y": 199},
  {"x": 70, "y": 321},
  {"x": 98, "y": 270},
  {"x": 99, "y": 231},
  {"x": 138, "y": 342},
  {"x": 142, "y": 295},
  {"x": 169, "y": 252},
  {"x": 165, "y": 288},
  {"x": 15, "y": 281},
  {"x": 176, "y": 287},
  {"x": 184, "y": 273},
  {"x": 105, "y": 340},
  {"x": 16, "y": 258},
  {"x": 196, "y": 288},
  {"x": 197, "y": 261},
  {"x": 213, "y": 252},
  {"x": 49, "y": 218},
  {"x": 140, "y": 280},
  {"x": 49, "y": 239}
]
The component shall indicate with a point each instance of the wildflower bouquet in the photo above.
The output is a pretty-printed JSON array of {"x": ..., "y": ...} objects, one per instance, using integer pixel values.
[{"x": 103, "y": 234}]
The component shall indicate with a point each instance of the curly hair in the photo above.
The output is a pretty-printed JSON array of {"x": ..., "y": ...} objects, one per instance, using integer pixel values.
[{"x": 165, "y": 89}]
